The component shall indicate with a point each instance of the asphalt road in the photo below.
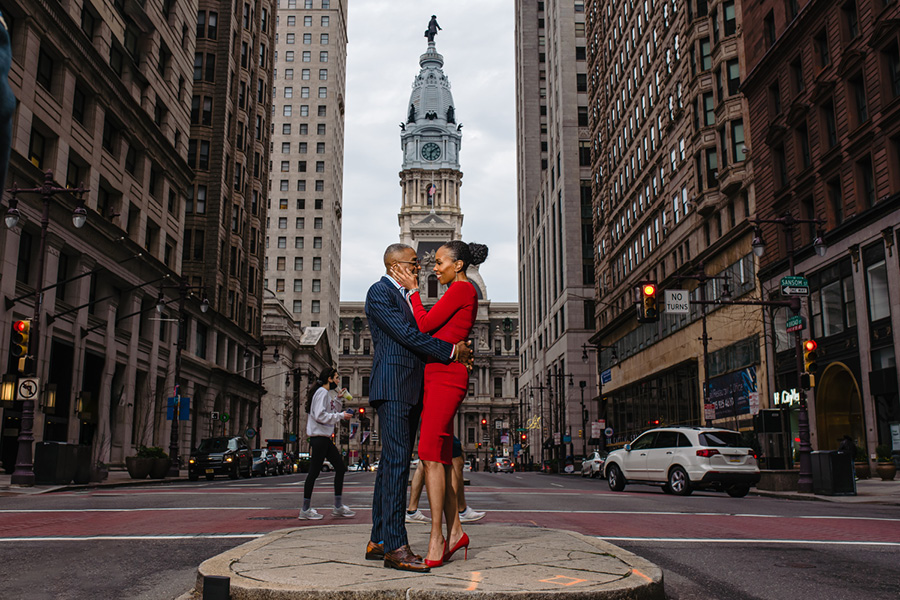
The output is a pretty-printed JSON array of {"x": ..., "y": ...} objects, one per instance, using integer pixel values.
[{"x": 145, "y": 542}]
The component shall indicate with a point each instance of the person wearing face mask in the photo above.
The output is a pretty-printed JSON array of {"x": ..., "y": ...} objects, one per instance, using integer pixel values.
[
  {"x": 323, "y": 405},
  {"x": 451, "y": 320}
]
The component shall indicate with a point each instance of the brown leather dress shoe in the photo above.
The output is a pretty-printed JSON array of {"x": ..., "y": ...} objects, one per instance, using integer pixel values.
[
  {"x": 403, "y": 559},
  {"x": 374, "y": 551}
]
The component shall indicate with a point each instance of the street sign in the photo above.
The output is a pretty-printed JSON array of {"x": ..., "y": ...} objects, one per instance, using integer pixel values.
[
  {"x": 214, "y": 415},
  {"x": 28, "y": 388},
  {"x": 608, "y": 432},
  {"x": 596, "y": 429},
  {"x": 795, "y": 323},
  {"x": 250, "y": 433},
  {"x": 677, "y": 302},
  {"x": 225, "y": 417},
  {"x": 567, "y": 439},
  {"x": 794, "y": 285},
  {"x": 184, "y": 408},
  {"x": 601, "y": 423},
  {"x": 556, "y": 438},
  {"x": 606, "y": 376}
]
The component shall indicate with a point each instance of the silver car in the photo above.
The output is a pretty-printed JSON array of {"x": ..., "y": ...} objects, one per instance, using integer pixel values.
[
  {"x": 592, "y": 466},
  {"x": 502, "y": 465}
]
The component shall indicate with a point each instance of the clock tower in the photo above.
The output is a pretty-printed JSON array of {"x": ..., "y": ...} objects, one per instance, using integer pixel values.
[{"x": 430, "y": 180}]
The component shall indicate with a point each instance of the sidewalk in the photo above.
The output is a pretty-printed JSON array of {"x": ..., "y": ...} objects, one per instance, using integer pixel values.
[
  {"x": 115, "y": 479},
  {"x": 868, "y": 491},
  {"x": 529, "y": 562}
]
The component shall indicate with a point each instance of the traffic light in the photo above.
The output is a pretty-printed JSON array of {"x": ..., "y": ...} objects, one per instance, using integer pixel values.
[
  {"x": 362, "y": 411},
  {"x": 20, "y": 342},
  {"x": 483, "y": 422},
  {"x": 648, "y": 309},
  {"x": 524, "y": 437},
  {"x": 810, "y": 362}
]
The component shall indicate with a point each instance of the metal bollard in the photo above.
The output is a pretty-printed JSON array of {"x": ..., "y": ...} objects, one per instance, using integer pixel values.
[{"x": 216, "y": 587}]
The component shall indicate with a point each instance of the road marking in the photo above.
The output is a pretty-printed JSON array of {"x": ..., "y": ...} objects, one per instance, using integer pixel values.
[
  {"x": 748, "y": 541},
  {"x": 636, "y": 572},
  {"x": 557, "y": 485},
  {"x": 475, "y": 580},
  {"x": 101, "y": 538},
  {"x": 560, "y": 580}
]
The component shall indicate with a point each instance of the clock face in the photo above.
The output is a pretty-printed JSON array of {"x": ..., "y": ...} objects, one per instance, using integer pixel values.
[{"x": 431, "y": 151}]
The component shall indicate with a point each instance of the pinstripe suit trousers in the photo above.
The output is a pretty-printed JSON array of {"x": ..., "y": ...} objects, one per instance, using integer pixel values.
[{"x": 399, "y": 423}]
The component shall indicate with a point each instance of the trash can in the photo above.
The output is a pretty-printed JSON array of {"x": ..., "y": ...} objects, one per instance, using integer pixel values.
[
  {"x": 54, "y": 463},
  {"x": 832, "y": 473}
]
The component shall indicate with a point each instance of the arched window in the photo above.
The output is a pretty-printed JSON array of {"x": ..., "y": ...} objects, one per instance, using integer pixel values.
[{"x": 432, "y": 286}]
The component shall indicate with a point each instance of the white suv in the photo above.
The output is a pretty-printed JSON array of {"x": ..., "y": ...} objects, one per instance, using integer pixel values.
[{"x": 682, "y": 459}]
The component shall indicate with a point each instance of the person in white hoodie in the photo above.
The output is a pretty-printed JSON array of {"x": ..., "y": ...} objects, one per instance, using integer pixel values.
[{"x": 323, "y": 405}]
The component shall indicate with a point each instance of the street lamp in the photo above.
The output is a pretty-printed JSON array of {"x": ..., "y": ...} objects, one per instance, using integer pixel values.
[
  {"x": 24, "y": 473},
  {"x": 183, "y": 290},
  {"x": 788, "y": 221}
]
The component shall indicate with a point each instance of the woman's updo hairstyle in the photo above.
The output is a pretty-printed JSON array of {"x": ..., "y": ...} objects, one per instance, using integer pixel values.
[{"x": 469, "y": 254}]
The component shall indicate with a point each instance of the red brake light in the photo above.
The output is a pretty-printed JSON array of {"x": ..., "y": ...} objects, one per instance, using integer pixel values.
[
  {"x": 707, "y": 452},
  {"x": 752, "y": 452}
]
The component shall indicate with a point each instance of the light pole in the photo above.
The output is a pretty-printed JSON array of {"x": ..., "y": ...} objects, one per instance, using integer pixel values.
[
  {"x": 582, "y": 384},
  {"x": 599, "y": 348},
  {"x": 540, "y": 389},
  {"x": 788, "y": 221},
  {"x": 562, "y": 405},
  {"x": 24, "y": 472},
  {"x": 183, "y": 290}
]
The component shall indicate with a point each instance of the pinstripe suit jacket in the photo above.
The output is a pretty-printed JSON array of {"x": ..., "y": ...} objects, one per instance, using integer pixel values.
[{"x": 400, "y": 348}]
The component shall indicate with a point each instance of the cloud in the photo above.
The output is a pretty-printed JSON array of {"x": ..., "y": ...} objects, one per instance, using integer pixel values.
[{"x": 385, "y": 42}]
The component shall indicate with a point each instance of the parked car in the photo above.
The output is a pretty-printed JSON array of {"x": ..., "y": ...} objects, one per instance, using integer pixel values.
[
  {"x": 467, "y": 466},
  {"x": 285, "y": 464},
  {"x": 220, "y": 456},
  {"x": 502, "y": 465},
  {"x": 683, "y": 459},
  {"x": 592, "y": 466},
  {"x": 327, "y": 466},
  {"x": 374, "y": 466},
  {"x": 264, "y": 462}
]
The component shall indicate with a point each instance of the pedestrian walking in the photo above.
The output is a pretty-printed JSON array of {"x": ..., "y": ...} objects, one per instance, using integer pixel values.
[{"x": 324, "y": 407}]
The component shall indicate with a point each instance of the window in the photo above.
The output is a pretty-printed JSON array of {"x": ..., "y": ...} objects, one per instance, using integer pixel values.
[
  {"x": 835, "y": 201},
  {"x": 865, "y": 179},
  {"x": 316, "y": 306},
  {"x": 45, "y": 69},
  {"x": 307, "y": 56},
  {"x": 298, "y": 263},
  {"x": 323, "y": 39},
  {"x": 851, "y": 19},
  {"x": 803, "y": 146},
  {"x": 300, "y": 223},
  {"x": 289, "y": 38},
  {"x": 324, "y": 21},
  {"x": 280, "y": 263},
  {"x": 737, "y": 141},
  {"x": 891, "y": 59},
  {"x": 797, "y": 76},
  {"x": 876, "y": 283},
  {"x": 304, "y": 75},
  {"x": 79, "y": 104},
  {"x": 322, "y": 112},
  {"x": 298, "y": 306},
  {"x": 282, "y": 222},
  {"x": 317, "y": 223},
  {"x": 733, "y": 70},
  {"x": 705, "y": 55},
  {"x": 317, "y": 263},
  {"x": 323, "y": 56},
  {"x": 298, "y": 285},
  {"x": 820, "y": 43},
  {"x": 780, "y": 166},
  {"x": 289, "y": 56},
  {"x": 709, "y": 109},
  {"x": 729, "y": 16},
  {"x": 775, "y": 99},
  {"x": 323, "y": 92},
  {"x": 323, "y": 74},
  {"x": 307, "y": 38},
  {"x": 769, "y": 29},
  {"x": 857, "y": 93},
  {"x": 298, "y": 242},
  {"x": 316, "y": 285},
  {"x": 289, "y": 74},
  {"x": 829, "y": 125},
  {"x": 279, "y": 285}
]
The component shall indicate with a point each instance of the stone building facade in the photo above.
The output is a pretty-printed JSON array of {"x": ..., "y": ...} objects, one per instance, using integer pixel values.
[
  {"x": 105, "y": 98},
  {"x": 303, "y": 234},
  {"x": 673, "y": 193},
  {"x": 824, "y": 96},
  {"x": 555, "y": 241}
]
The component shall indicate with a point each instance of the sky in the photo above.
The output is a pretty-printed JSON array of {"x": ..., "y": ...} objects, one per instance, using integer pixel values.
[{"x": 385, "y": 42}]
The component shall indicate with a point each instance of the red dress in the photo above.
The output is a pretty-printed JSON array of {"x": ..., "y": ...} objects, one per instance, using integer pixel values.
[{"x": 451, "y": 320}]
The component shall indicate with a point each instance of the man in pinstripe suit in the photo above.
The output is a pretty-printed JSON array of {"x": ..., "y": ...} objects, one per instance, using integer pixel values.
[{"x": 395, "y": 391}]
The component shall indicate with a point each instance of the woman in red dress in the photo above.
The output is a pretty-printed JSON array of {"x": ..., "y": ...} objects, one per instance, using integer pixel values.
[{"x": 451, "y": 320}]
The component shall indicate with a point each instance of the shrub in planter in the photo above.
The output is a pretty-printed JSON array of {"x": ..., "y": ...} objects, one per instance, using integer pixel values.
[
  {"x": 141, "y": 465},
  {"x": 885, "y": 468}
]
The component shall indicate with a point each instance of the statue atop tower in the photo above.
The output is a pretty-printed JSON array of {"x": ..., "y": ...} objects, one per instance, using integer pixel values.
[{"x": 432, "y": 30}]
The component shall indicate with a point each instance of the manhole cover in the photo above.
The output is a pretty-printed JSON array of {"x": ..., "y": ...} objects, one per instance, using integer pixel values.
[{"x": 270, "y": 518}]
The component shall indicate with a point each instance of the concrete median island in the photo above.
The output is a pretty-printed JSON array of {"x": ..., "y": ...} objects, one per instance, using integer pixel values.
[{"x": 505, "y": 561}]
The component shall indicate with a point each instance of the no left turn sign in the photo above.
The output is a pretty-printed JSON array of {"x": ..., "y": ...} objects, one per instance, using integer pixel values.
[{"x": 27, "y": 389}]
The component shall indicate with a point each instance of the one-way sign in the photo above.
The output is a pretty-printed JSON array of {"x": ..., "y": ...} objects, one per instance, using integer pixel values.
[{"x": 794, "y": 285}]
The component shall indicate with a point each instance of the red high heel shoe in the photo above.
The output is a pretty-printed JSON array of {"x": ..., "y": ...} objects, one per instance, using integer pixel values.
[
  {"x": 462, "y": 543},
  {"x": 440, "y": 561}
]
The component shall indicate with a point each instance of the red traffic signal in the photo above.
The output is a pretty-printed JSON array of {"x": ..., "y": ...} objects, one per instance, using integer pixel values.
[
  {"x": 648, "y": 289},
  {"x": 483, "y": 422},
  {"x": 524, "y": 437},
  {"x": 362, "y": 410},
  {"x": 810, "y": 345},
  {"x": 647, "y": 309}
]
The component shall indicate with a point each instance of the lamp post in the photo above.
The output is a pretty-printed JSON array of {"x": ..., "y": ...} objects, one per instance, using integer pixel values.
[
  {"x": 599, "y": 348},
  {"x": 788, "y": 221},
  {"x": 540, "y": 389},
  {"x": 701, "y": 277},
  {"x": 562, "y": 406},
  {"x": 183, "y": 290},
  {"x": 24, "y": 472}
]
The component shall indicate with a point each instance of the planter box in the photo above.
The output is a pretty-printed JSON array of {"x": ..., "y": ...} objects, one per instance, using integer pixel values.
[
  {"x": 138, "y": 468},
  {"x": 159, "y": 468},
  {"x": 778, "y": 480}
]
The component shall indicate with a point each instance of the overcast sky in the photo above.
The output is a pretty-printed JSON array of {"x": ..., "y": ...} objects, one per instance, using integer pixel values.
[{"x": 385, "y": 41}]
